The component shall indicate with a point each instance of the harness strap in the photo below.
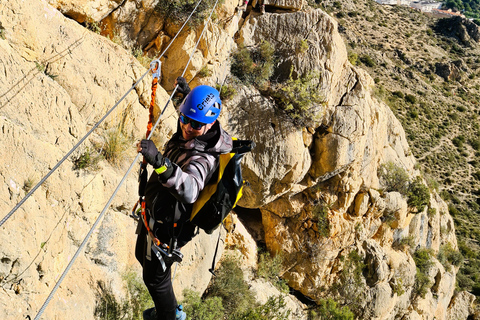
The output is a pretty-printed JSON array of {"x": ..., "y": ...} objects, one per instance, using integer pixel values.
[{"x": 212, "y": 269}]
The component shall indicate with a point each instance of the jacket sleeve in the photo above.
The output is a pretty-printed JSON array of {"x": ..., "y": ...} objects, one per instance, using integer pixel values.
[{"x": 188, "y": 181}]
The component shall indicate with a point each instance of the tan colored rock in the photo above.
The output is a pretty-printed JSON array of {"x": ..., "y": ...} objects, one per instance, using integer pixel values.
[
  {"x": 212, "y": 51},
  {"x": 135, "y": 22},
  {"x": 326, "y": 54},
  {"x": 239, "y": 239},
  {"x": 280, "y": 159},
  {"x": 264, "y": 290},
  {"x": 361, "y": 204},
  {"x": 85, "y": 10},
  {"x": 58, "y": 81},
  {"x": 285, "y": 4},
  {"x": 461, "y": 306}
]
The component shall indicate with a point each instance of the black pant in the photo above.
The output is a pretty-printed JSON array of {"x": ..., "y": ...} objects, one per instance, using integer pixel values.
[{"x": 158, "y": 282}]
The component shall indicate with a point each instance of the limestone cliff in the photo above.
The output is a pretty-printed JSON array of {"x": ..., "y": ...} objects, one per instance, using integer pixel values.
[{"x": 59, "y": 79}]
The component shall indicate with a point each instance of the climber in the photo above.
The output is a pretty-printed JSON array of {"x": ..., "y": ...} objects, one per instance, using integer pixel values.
[{"x": 180, "y": 173}]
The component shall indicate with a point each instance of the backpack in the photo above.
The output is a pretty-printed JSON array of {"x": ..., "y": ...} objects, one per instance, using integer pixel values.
[{"x": 223, "y": 191}]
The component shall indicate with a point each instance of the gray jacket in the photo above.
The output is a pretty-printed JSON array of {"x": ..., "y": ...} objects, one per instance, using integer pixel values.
[{"x": 194, "y": 161}]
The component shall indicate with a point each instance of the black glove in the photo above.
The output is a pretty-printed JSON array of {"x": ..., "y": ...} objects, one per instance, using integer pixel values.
[
  {"x": 151, "y": 154},
  {"x": 183, "y": 86}
]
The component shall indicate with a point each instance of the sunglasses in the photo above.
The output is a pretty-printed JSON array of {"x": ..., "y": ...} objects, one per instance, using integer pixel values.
[{"x": 194, "y": 124}]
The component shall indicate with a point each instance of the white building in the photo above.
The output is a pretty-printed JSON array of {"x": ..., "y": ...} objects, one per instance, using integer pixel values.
[
  {"x": 395, "y": 2},
  {"x": 426, "y": 6}
]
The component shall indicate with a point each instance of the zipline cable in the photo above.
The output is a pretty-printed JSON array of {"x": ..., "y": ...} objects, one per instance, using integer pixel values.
[
  {"x": 84, "y": 242},
  {"x": 94, "y": 127}
]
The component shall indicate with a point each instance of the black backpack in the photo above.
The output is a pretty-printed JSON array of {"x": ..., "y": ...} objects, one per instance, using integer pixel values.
[{"x": 223, "y": 191}]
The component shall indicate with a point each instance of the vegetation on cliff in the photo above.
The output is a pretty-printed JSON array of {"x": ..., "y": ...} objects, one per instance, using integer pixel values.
[{"x": 427, "y": 71}]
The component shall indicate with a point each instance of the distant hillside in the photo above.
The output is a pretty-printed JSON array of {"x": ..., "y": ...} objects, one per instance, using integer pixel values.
[
  {"x": 471, "y": 8},
  {"x": 427, "y": 71}
]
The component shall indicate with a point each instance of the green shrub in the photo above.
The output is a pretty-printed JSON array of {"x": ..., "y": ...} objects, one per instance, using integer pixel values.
[
  {"x": 458, "y": 141},
  {"x": 205, "y": 72},
  {"x": 197, "y": 308},
  {"x": 398, "y": 94},
  {"x": 28, "y": 184},
  {"x": 269, "y": 268},
  {"x": 330, "y": 310},
  {"x": 179, "y": 10},
  {"x": 274, "y": 308},
  {"x": 423, "y": 262},
  {"x": 302, "y": 46},
  {"x": 116, "y": 143},
  {"x": 88, "y": 160},
  {"x": 93, "y": 25},
  {"x": 449, "y": 256},
  {"x": 227, "y": 91},
  {"x": 475, "y": 143},
  {"x": 393, "y": 178},
  {"x": 108, "y": 307},
  {"x": 231, "y": 287},
  {"x": 300, "y": 99},
  {"x": 418, "y": 194},
  {"x": 254, "y": 66},
  {"x": 353, "y": 58},
  {"x": 410, "y": 98},
  {"x": 351, "y": 283},
  {"x": 320, "y": 214},
  {"x": 404, "y": 243},
  {"x": 367, "y": 60},
  {"x": 137, "y": 300},
  {"x": 144, "y": 59},
  {"x": 397, "y": 286},
  {"x": 476, "y": 175}
]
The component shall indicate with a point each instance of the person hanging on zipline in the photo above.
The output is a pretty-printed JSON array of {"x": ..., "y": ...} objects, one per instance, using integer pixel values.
[{"x": 180, "y": 173}]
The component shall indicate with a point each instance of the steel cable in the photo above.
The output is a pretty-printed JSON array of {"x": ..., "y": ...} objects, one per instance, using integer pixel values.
[
  {"x": 79, "y": 250},
  {"x": 93, "y": 128}
]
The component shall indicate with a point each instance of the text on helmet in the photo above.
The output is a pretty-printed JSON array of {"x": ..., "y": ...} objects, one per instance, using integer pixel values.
[{"x": 205, "y": 101}]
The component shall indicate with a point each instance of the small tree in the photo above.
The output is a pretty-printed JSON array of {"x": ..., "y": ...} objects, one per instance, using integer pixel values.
[
  {"x": 418, "y": 194},
  {"x": 423, "y": 261},
  {"x": 300, "y": 98},
  {"x": 393, "y": 178}
]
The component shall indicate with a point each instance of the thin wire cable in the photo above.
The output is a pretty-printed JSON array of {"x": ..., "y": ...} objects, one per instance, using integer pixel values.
[
  {"x": 95, "y": 126},
  {"x": 69, "y": 153},
  {"x": 191, "y": 14},
  {"x": 77, "y": 253},
  {"x": 79, "y": 250},
  {"x": 200, "y": 37},
  {"x": 184, "y": 70}
]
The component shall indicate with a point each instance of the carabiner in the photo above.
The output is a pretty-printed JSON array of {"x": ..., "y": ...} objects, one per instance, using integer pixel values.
[{"x": 156, "y": 68}]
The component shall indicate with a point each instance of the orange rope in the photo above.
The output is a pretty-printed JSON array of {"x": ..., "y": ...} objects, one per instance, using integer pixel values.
[
  {"x": 149, "y": 130},
  {"x": 152, "y": 103}
]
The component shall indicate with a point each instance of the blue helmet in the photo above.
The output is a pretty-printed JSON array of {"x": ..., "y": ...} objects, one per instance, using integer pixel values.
[{"x": 202, "y": 104}]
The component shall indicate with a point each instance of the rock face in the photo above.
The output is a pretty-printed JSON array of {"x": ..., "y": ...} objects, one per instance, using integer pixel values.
[
  {"x": 317, "y": 187},
  {"x": 461, "y": 28},
  {"x": 57, "y": 80}
]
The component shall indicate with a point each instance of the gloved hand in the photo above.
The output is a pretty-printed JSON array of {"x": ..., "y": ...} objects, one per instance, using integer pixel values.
[
  {"x": 183, "y": 86},
  {"x": 151, "y": 154}
]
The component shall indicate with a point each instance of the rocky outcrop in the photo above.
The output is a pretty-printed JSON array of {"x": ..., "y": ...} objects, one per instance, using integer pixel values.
[
  {"x": 461, "y": 28},
  {"x": 57, "y": 80},
  {"x": 317, "y": 187},
  {"x": 86, "y": 10}
]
